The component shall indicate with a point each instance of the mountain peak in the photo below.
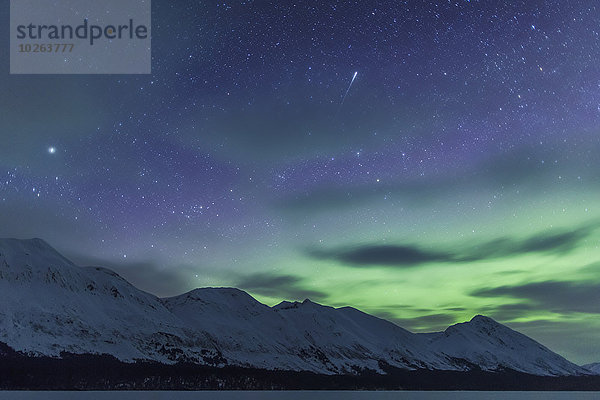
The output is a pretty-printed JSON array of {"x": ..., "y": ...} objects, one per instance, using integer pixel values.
[
  {"x": 31, "y": 253},
  {"x": 230, "y": 291},
  {"x": 34, "y": 243},
  {"x": 479, "y": 324},
  {"x": 284, "y": 305},
  {"x": 483, "y": 320},
  {"x": 217, "y": 295},
  {"x": 200, "y": 293}
]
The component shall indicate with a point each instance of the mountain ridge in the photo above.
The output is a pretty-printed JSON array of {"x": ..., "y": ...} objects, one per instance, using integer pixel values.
[{"x": 54, "y": 306}]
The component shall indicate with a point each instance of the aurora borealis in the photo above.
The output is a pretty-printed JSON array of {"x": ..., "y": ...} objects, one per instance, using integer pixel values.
[{"x": 459, "y": 177}]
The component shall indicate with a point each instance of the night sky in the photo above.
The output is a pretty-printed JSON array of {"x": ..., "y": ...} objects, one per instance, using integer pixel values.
[{"x": 459, "y": 176}]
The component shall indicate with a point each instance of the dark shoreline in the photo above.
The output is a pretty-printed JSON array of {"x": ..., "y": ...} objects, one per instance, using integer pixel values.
[{"x": 103, "y": 372}]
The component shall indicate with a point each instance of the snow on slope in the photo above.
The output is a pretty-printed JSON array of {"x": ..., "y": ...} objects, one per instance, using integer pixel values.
[
  {"x": 51, "y": 305},
  {"x": 345, "y": 334},
  {"x": 298, "y": 335},
  {"x": 594, "y": 368},
  {"x": 492, "y": 346}
]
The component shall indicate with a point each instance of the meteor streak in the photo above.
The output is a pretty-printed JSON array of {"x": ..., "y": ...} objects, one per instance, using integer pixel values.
[{"x": 348, "y": 90}]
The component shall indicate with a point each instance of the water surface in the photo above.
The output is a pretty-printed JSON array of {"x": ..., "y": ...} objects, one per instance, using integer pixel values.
[{"x": 299, "y": 395}]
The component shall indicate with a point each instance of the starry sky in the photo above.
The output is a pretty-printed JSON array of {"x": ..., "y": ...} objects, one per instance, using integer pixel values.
[{"x": 458, "y": 176}]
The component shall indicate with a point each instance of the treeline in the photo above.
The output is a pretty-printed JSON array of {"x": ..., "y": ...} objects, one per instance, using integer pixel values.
[{"x": 103, "y": 372}]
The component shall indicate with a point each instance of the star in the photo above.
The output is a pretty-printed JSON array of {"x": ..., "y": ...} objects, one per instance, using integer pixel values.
[{"x": 51, "y": 149}]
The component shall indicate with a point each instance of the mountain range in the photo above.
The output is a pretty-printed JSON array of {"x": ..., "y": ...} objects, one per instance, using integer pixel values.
[{"x": 51, "y": 306}]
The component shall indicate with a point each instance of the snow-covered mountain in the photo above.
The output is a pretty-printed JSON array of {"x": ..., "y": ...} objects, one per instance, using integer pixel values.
[
  {"x": 49, "y": 305},
  {"x": 594, "y": 368},
  {"x": 493, "y": 346},
  {"x": 299, "y": 336}
]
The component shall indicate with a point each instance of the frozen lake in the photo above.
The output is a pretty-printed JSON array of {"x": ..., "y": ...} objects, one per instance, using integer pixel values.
[{"x": 312, "y": 395}]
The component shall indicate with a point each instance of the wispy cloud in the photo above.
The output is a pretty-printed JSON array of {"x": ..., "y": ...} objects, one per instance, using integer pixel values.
[
  {"x": 519, "y": 167},
  {"x": 148, "y": 275},
  {"x": 561, "y": 242},
  {"x": 554, "y": 296},
  {"x": 425, "y": 323},
  {"x": 409, "y": 255},
  {"x": 282, "y": 286}
]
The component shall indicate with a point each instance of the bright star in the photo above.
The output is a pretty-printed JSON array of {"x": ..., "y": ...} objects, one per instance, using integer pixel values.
[{"x": 51, "y": 150}]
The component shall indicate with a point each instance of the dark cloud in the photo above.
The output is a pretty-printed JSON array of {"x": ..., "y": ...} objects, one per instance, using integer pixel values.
[
  {"x": 553, "y": 243},
  {"x": 555, "y": 296},
  {"x": 389, "y": 255},
  {"x": 412, "y": 255},
  {"x": 282, "y": 286}
]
